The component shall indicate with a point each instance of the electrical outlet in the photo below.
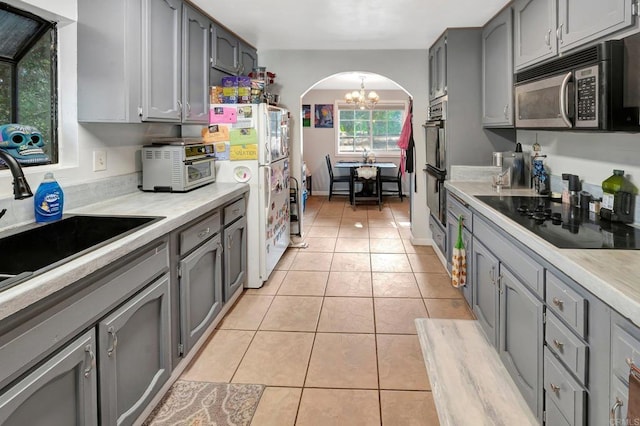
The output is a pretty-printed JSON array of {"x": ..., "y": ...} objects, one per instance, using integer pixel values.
[{"x": 99, "y": 160}]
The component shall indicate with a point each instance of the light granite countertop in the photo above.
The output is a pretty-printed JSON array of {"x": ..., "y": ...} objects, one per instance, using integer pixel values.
[
  {"x": 176, "y": 208},
  {"x": 611, "y": 275}
]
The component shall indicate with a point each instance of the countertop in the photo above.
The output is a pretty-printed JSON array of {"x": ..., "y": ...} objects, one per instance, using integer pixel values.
[
  {"x": 611, "y": 275},
  {"x": 176, "y": 208}
]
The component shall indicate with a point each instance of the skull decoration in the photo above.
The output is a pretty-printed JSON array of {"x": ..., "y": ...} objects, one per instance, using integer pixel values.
[{"x": 24, "y": 143}]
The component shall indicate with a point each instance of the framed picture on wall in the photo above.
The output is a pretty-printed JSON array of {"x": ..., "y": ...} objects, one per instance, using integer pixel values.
[
  {"x": 306, "y": 115},
  {"x": 324, "y": 116}
]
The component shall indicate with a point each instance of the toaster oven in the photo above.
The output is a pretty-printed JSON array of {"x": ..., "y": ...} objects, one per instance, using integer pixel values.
[{"x": 177, "y": 167}]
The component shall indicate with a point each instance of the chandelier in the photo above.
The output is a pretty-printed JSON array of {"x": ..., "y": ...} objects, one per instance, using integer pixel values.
[{"x": 360, "y": 100}]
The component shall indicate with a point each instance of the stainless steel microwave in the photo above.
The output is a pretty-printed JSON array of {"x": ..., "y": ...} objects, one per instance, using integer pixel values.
[{"x": 596, "y": 88}]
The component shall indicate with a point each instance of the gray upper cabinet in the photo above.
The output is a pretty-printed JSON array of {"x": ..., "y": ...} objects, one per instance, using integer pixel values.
[
  {"x": 135, "y": 354},
  {"x": 545, "y": 28},
  {"x": 497, "y": 71},
  {"x": 62, "y": 391},
  {"x": 581, "y": 21},
  {"x": 438, "y": 68},
  {"x": 162, "y": 56},
  {"x": 534, "y": 31},
  {"x": 248, "y": 59},
  {"x": 224, "y": 49},
  {"x": 195, "y": 62}
]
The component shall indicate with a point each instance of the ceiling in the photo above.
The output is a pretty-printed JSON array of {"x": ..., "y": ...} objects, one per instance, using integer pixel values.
[{"x": 348, "y": 25}]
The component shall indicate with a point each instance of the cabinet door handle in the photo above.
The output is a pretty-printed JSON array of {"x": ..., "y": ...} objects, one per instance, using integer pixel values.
[
  {"x": 559, "y": 303},
  {"x": 558, "y": 344},
  {"x": 114, "y": 341},
  {"x": 179, "y": 108},
  {"x": 204, "y": 233},
  {"x": 613, "y": 414},
  {"x": 554, "y": 388},
  {"x": 547, "y": 38},
  {"x": 92, "y": 360},
  {"x": 188, "y": 109},
  {"x": 506, "y": 112},
  {"x": 229, "y": 241},
  {"x": 236, "y": 211},
  {"x": 559, "y": 33}
]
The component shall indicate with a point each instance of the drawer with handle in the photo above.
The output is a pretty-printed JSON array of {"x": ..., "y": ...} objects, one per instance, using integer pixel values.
[
  {"x": 568, "y": 348},
  {"x": 567, "y": 304},
  {"x": 234, "y": 211},
  {"x": 563, "y": 390},
  {"x": 199, "y": 233}
]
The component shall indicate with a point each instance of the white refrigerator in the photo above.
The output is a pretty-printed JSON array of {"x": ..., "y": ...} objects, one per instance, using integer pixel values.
[{"x": 268, "y": 178}]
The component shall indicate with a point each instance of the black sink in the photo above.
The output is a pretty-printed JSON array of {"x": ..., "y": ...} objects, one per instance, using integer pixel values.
[{"x": 37, "y": 248}]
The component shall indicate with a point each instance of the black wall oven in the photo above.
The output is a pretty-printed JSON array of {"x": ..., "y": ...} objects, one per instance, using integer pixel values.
[{"x": 435, "y": 168}]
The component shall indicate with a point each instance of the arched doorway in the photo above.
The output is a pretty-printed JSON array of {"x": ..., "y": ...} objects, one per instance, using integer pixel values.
[{"x": 319, "y": 138}]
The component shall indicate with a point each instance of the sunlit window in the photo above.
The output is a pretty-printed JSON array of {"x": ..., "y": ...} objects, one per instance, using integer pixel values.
[
  {"x": 28, "y": 82},
  {"x": 376, "y": 130}
]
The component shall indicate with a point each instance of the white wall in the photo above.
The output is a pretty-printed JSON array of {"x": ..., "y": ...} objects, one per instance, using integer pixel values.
[
  {"x": 298, "y": 70},
  {"x": 319, "y": 142},
  {"x": 590, "y": 155}
]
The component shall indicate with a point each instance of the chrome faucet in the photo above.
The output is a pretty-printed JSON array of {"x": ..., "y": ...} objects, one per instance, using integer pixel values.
[{"x": 20, "y": 185}]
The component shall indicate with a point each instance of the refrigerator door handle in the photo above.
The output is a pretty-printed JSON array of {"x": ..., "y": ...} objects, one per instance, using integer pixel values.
[
  {"x": 267, "y": 141},
  {"x": 267, "y": 175}
]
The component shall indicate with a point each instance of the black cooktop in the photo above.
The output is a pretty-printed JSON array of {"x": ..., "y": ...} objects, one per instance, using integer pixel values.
[{"x": 563, "y": 226}]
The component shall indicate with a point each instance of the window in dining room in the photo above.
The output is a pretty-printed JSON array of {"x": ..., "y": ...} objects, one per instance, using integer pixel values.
[{"x": 376, "y": 130}]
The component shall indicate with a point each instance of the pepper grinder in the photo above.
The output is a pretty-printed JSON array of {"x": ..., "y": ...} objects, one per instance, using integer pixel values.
[{"x": 574, "y": 190}]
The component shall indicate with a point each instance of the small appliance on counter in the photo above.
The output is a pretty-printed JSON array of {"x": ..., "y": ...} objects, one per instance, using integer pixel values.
[
  {"x": 516, "y": 168},
  {"x": 618, "y": 198},
  {"x": 177, "y": 165}
]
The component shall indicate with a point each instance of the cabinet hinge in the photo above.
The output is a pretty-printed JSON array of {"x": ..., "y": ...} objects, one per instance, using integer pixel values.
[{"x": 180, "y": 349}]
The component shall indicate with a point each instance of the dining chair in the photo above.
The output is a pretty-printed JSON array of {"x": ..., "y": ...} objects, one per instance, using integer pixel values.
[
  {"x": 396, "y": 180},
  {"x": 369, "y": 177},
  {"x": 337, "y": 179}
]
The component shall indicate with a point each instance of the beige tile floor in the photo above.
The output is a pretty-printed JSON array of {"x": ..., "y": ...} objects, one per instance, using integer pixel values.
[{"x": 331, "y": 334}]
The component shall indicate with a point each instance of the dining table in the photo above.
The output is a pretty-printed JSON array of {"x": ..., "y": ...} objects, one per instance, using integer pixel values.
[{"x": 366, "y": 191}]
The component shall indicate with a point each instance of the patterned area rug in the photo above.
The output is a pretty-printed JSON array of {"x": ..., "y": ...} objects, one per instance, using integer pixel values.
[{"x": 206, "y": 404}]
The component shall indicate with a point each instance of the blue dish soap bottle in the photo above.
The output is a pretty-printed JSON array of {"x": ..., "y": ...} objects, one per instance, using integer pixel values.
[{"x": 49, "y": 200}]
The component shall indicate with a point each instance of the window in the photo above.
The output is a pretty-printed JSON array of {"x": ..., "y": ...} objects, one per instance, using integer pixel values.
[
  {"x": 28, "y": 79},
  {"x": 376, "y": 130}
]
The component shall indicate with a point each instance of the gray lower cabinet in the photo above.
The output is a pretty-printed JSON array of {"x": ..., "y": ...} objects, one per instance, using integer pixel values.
[
  {"x": 625, "y": 351},
  {"x": 485, "y": 289},
  {"x": 521, "y": 332},
  {"x": 565, "y": 398},
  {"x": 235, "y": 257},
  {"x": 200, "y": 278},
  {"x": 135, "y": 354},
  {"x": 497, "y": 71},
  {"x": 62, "y": 391}
]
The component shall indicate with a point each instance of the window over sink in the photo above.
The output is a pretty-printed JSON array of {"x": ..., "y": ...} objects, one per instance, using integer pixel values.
[{"x": 28, "y": 80}]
